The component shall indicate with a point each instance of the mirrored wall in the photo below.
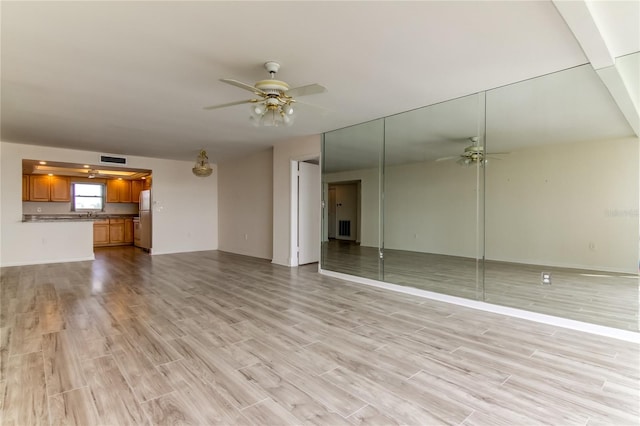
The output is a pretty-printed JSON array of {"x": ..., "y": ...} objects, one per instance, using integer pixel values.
[{"x": 524, "y": 196}]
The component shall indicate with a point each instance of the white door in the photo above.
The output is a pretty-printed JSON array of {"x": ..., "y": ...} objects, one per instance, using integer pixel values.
[
  {"x": 347, "y": 211},
  {"x": 308, "y": 213}
]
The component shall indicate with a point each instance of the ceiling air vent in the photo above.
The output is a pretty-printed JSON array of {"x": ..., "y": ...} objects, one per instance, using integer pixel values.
[{"x": 111, "y": 159}]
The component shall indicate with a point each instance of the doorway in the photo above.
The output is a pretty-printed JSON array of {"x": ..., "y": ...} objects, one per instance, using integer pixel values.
[{"x": 343, "y": 211}]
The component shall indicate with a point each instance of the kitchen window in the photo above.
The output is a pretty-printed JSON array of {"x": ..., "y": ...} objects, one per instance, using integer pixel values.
[{"x": 88, "y": 196}]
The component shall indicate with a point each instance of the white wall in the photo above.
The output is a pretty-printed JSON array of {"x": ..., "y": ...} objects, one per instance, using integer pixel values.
[
  {"x": 246, "y": 205},
  {"x": 283, "y": 154},
  {"x": 185, "y": 216}
]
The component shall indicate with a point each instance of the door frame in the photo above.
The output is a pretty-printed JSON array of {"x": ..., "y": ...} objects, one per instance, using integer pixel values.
[{"x": 293, "y": 213}]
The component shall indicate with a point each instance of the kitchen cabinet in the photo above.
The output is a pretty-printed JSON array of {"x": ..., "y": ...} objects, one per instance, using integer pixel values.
[
  {"x": 136, "y": 187},
  {"x": 25, "y": 188},
  {"x": 118, "y": 191},
  {"x": 113, "y": 232},
  {"x": 48, "y": 188},
  {"x": 59, "y": 188},
  {"x": 101, "y": 232},
  {"x": 116, "y": 231},
  {"x": 38, "y": 188},
  {"x": 113, "y": 191},
  {"x": 128, "y": 231}
]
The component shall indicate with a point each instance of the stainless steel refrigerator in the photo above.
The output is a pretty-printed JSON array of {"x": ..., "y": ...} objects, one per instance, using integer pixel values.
[{"x": 143, "y": 227}]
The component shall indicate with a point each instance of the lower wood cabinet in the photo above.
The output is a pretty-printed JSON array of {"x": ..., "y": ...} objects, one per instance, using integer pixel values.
[
  {"x": 116, "y": 231},
  {"x": 113, "y": 232},
  {"x": 101, "y": 232},
  {"x": 128, "y": 231}
]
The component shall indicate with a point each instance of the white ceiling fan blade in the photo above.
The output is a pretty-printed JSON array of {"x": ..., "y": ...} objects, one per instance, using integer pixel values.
[
  {"x": 310, "y": 89},
  {"x": 452, "y": 157},
  {"x": 231, "y": 104},
  {"x": 242, "y": 85},
  {"x": 323, "y": 110}
]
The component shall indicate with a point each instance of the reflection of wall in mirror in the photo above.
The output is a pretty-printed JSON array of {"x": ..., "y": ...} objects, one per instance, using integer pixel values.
[
  {"x": 552, "y": 205},
  {"x": 544, "y": 205}
]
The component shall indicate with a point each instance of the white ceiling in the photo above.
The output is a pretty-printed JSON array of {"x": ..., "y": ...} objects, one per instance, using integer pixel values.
[{"x": 131, "y": 78}]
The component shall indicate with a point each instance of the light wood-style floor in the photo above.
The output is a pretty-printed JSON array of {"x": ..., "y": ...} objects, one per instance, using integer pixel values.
[
  {"x": 603, "y": 298},
  {"x": 215, "y": 338}
]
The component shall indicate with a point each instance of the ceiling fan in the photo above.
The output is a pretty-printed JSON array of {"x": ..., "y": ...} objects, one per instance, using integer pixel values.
[
  {"x": 473, "y": 154},
  {"x": 273, "y": 104}
]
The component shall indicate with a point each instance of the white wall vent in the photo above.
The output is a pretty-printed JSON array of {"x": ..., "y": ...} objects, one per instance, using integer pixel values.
[{"x": 112, "y": 159}]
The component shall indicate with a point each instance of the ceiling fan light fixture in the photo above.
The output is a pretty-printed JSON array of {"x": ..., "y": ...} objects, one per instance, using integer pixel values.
[
  {"x": 202, "y": 167},
  {"x": 273, "y": 105}
]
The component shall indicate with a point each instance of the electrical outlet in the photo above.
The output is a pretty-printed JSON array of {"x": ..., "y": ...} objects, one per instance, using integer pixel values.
[{"x": 545, "y": 278}]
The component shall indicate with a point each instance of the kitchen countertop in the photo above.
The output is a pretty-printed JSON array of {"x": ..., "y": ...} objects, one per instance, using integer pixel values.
[{"x": 71, "y": 217}]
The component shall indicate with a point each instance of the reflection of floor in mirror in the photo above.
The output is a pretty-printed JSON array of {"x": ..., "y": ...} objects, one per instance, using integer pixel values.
[{"x": 604, "y": 298}]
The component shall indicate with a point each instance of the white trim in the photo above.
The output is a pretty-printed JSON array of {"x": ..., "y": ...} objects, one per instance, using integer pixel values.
[
  {"x": 293, "y": 214},
  {"x": 579, "y": 18},
  {"x": 612, "y": 79},
  {"x": 281, "y": 262},
  {"x": 615, "y": 333},
  {"x": 48, "y": 261}
]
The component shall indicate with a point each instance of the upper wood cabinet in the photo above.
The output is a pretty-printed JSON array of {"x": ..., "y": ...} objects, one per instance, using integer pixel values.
[
  {"x": 119, "y": 191},
  {"x": 47, "y": 188},
  {"x": 60, "y": 188},
  {"x": 125, "y": 191},
  {"x": 38, "y": 188},
  {"x": 113, "y": 191},
  {"x": 25, "y": 188},
  {"x": 136, "y": 187}
]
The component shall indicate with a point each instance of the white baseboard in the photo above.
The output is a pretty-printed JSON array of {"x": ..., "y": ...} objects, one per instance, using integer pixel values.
[
  {"x": 288, "y": 262},
  {"x": 600, "y": 330},
  {"x": 48, "y": 261}
]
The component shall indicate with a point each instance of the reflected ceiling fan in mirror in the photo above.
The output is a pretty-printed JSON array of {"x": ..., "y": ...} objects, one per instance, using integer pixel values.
[
  {"x": 273, "y": 105},
  {"x": 473, "y": 154}
]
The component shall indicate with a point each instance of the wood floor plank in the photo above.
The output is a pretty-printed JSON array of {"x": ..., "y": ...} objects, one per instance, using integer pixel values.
[
  {"x": 381, "y": 399},
  {"x": 268, "y": 412},
  {"x": 145, "y": 381},
  {"x": 212, "y": 407},
  {"x": 24, "y": 400},
  {"x": 297, "y": 372},
  {"x": 171, "y": 409},
  {"x": 296, "y": 401},
  {"x": 74, "y": 407},
  {"x": 149, "y": 342},
  {"x": 371, "y": 416},
  {"x": 62, "y": 368},
  {"x": 27, "y": 334},
  {"x": 113, "y": 398},
  {"x": 5, "y": 339},
  {"x": 233, "y": 385}
]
